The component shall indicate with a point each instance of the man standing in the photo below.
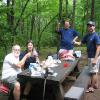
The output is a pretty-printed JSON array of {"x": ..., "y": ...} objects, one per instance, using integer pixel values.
[
  {"x": 92, "y": 41},
  {"x": 11, "y": 67},
  {"x": 67, "y": 37}
]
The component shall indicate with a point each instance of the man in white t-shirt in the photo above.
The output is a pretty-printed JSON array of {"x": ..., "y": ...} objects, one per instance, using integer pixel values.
[{"x": 11, "y": 67}]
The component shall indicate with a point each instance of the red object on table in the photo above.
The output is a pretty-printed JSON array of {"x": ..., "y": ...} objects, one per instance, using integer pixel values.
[{"x": 66, "y": 64}]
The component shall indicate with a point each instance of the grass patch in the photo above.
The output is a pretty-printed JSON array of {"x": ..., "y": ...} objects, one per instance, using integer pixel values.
[{"x": 45, "y": 51}]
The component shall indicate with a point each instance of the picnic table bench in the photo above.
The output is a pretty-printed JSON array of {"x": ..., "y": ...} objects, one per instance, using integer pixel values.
[{"x": 77, "y": 91}]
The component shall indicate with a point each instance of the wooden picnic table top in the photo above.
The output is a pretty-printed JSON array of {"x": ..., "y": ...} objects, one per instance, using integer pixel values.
[{"x": 62, "y": 72}]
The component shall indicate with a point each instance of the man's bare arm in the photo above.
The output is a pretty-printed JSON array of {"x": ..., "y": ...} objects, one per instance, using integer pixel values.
[
  {"x": 97, "y": 54},
  {"x": 22, "y": 62},
  {"x": 58, "y": 27}
]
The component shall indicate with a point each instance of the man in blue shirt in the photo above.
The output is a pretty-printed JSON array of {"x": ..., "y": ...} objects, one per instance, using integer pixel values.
[
  {"x": 67, "y": 37},
  {"x": 92, "y": 41}
]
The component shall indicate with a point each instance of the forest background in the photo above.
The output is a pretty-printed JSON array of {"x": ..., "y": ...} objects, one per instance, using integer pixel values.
[{"x": 21, "y": 20}]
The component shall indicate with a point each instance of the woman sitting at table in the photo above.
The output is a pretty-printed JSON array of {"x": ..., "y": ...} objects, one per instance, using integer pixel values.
[{"x": 32, "y": 59}]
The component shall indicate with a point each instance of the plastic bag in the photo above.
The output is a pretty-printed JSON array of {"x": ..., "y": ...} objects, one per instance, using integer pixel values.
[{"x": 4, "y": 88}]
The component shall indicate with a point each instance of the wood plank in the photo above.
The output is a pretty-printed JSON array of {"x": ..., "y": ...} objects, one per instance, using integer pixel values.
[
  {"x": 83, "y": 79},
  {"x": 77, "y": 91}
]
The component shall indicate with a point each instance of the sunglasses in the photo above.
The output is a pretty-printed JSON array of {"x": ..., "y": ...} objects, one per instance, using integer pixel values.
[{"x": 90, "y": 25}]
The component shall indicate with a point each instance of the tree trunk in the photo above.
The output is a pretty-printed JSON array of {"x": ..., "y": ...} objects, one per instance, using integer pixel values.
[
  {"x": 87, "y": 14},
  {"x": 73, "y": 14},
  {"x": 32, "y": 23},
  {"x": 67, "y": 9},
  {"x": 60, "y": 10},
  {"x": 10, "y": 14},
  {"x": 92, "y": 9},
  {"x": 60, "y": 20}
]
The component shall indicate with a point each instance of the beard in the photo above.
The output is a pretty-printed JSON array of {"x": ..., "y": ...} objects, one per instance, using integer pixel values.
[{"x": 16, "y": 54}]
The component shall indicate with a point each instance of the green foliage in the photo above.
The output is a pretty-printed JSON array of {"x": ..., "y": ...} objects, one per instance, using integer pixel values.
[
  {"x": 37, "y": 21},
  {"x": 45, "y": 51}
]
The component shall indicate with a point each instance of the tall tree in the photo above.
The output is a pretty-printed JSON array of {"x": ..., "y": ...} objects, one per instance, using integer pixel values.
[
  {"x": 10, "y": 13},
  {"x": 73, "y": 14},
  {"x": 59, "y": 20},
  {"x": 60, "y": 10},
  {"x": 66, "y": 8},
  {"x": 92, "y": 9},
  {"x": 32, "y": 24},
  {"x": 87, "y": 10}
]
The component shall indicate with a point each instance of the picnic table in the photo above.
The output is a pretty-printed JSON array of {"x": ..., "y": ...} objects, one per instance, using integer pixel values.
[{"x": 50, "y": 87}]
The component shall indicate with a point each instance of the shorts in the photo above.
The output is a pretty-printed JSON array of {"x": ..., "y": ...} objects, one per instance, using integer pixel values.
[
  {"x": 66, "y": 54},
  {"x": 93, "y": 68},
  {"x": 61, "y": 50},
  {"x": 11, "y": 80}
]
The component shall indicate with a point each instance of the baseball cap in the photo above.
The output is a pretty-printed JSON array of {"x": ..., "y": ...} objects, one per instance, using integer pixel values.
[{"x": 91, "y": 23}]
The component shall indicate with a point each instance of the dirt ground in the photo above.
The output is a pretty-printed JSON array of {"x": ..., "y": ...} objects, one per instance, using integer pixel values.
[{"x": 95, "y": 95}]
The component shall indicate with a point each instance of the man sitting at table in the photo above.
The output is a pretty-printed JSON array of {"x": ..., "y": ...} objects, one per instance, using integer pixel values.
[{"x": 11, "y": 67}]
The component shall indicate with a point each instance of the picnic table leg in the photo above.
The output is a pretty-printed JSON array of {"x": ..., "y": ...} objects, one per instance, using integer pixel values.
[
  {"x": 76, "y": 71},
  {"x": 60, "y": 93}
]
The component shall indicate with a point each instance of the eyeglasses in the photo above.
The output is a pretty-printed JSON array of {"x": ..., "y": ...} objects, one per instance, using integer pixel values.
[{"x": 16, "y": 49}]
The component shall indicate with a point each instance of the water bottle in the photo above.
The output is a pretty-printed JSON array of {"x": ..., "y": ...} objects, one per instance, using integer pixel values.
[{"x": 31, "y": 68}]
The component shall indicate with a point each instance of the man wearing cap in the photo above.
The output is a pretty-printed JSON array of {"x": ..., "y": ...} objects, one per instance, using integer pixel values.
[{"x": 92, "y": 41}]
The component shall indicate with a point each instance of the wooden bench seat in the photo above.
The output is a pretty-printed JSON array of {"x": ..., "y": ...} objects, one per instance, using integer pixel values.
[
  {"x": 77, "y": 91},
  {"x": 83, "y": 79}
]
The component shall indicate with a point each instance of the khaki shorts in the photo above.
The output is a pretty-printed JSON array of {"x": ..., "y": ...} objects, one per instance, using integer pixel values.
[
  {"x": 93, "y": 68},
  {"x": 11, "y": 79}
]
